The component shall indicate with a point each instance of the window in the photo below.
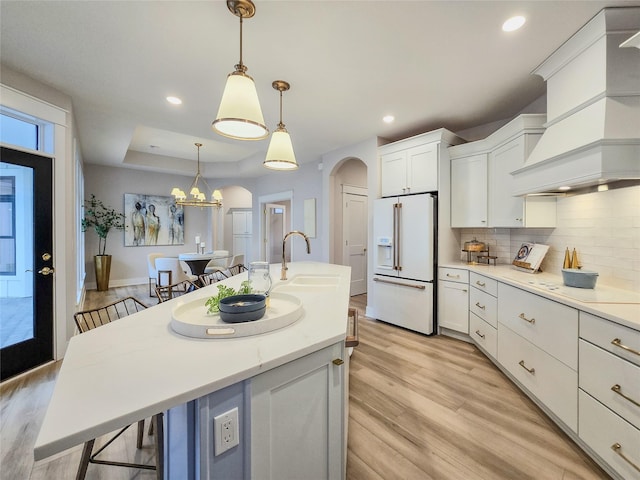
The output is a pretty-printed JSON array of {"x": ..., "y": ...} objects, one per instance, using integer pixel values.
[
  {"x": 19, "y": 132},
  {"x": 7, "y": 225}
]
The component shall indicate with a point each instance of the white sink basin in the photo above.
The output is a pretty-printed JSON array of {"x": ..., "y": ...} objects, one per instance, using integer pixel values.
[
  {"x": 308, "y": 284},
  {"x": 315, "y": 280}
]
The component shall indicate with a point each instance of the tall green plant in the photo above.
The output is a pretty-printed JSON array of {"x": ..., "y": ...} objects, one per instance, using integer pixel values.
[{"x": 102, "y": 218}]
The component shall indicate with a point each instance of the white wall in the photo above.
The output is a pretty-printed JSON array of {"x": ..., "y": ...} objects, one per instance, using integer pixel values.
[
  {"x": 603, "y": 227},
  {"x": 129, "y": 264}
]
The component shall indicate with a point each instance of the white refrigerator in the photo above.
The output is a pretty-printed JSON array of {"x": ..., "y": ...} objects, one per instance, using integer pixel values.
[{"x": 404, "y": 231}]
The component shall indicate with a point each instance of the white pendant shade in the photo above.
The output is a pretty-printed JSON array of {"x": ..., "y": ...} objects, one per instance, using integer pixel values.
[
  {"x": 240, "y": 116},
  {"x": 280, "y": 154}
]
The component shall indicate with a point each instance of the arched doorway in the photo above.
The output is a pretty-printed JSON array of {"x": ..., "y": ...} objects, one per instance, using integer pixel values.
[{"x": 350, "y": 220}]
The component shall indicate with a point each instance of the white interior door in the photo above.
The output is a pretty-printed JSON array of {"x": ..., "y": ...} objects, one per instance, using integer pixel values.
[{"x": 354, "y": 228}]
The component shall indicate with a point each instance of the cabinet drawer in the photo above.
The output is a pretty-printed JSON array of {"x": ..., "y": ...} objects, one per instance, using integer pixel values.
[
  {"x": 453, "y": 274},
  {"x": 483, "y": 334},
  {"x": 547, "y": 324},
  {"x": 600, "y": 428},
  {"x": 483, "y": 283},
  {"x": 600, "y": 371},
  {"x": 551, "y": 381},
  {"x": 484, "y": 305},
  {"x": 603, "y": 333}
]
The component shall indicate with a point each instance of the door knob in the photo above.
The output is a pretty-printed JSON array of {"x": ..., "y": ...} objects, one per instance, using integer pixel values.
[{"x": 46, "y": 271}]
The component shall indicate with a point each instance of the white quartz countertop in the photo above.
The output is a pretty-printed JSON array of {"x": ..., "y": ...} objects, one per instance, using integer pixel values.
[
  {"x": 138, "y": 366},
  {"x": 619, "y": 306}
]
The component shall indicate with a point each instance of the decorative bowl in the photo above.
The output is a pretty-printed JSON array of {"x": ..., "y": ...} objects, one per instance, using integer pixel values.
[
  {"x": 574, "y": 277},
  {"x": 242, "y": 308}
]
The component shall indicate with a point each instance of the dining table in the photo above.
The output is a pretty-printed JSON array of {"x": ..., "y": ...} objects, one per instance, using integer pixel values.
[{"x": 198, "y": 261}]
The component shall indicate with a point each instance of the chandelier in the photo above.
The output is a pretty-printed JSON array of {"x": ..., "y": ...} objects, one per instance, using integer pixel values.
[{"x": 197, "y": 194}]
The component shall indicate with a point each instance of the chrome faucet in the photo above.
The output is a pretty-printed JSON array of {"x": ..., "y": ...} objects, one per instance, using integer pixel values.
[{"x": 283, "y": 272}]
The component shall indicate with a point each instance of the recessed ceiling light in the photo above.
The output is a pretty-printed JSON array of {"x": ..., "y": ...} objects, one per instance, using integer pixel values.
[
  {"x": 514, "y": 23},
  {"x": 174, "y": 100},
  {"x": 388, "y": 118},
  {"x": 565, "y": 187}
]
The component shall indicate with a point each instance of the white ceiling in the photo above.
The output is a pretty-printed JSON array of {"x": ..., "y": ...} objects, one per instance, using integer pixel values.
[{"x": 431, "y": 64}]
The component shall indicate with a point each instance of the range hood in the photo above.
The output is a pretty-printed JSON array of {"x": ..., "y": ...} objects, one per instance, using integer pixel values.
[{"x": 592, "y": 134}]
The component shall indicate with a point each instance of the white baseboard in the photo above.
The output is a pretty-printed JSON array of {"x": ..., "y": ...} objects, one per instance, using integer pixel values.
[{"x": 123, "y": 282}]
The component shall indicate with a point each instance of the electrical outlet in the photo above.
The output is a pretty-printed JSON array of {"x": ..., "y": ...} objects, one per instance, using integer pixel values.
[{"x": 226, "y": 431}]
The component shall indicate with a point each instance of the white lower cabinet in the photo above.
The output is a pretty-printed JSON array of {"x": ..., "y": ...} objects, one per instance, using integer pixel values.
[
  {"x": 612, "y": 438},
  {"x": 453, "y": 299},
  {"x": 485, "y": 335},
  {"x": 610, "y": 393},
  {"x": 297, "y": 421},
  {"x": 548, "y": 379}
]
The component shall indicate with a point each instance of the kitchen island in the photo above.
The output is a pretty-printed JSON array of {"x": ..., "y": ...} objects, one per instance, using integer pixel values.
[{"x": 138, "y": 366}]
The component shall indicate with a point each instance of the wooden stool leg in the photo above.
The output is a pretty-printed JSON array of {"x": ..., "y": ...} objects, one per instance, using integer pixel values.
[
  {"x": 140, "y": 433},
  {"x": 84, "y": 460},
  {"x": 158, "y": 435}
]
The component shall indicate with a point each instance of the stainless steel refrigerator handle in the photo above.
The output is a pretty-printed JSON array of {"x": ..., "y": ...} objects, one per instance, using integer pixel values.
[
  {"x": 402, "y": 284},
  {"x": 398, "y": 240},
  {"x": 395, "y": 238}
]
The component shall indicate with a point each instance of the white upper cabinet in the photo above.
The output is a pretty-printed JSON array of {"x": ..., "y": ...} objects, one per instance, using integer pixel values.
[
  {"x": 482, "y": 185},
  {"x": 469, "y": 191},
  {"x": 242, "y": 222},
  {"x": 411, "y": 165}
]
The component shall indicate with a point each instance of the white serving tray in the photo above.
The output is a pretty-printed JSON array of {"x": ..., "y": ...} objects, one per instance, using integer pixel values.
[{"x": 192, "y": 320}]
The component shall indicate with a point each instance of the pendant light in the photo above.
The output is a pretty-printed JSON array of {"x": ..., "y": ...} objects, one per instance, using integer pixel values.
[
  {"x": 240, "y": 116},
  {"x": 280, "y": 154},
  {"x": 197, "y": 192}
]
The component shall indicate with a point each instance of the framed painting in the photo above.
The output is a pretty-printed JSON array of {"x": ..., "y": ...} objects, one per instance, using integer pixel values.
[{"x": 152, "y": 220}]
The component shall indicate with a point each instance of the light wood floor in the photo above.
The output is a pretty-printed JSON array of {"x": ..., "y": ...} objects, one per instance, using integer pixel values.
[{"x": 420, "y": 408}]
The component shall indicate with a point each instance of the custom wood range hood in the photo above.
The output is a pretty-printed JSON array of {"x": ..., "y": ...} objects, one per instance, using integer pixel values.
[{"x": 592, "y": 134}]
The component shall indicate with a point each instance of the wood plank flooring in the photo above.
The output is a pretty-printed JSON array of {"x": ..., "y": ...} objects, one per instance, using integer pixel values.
[{"x": 420, "y": 408}]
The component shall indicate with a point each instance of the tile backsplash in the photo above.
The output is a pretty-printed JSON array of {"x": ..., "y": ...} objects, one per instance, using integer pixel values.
[{"x": 603, "y": 227}]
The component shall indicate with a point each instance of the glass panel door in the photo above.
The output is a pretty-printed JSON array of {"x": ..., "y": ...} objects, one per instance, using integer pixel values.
[{"x": 26, "y": 263}]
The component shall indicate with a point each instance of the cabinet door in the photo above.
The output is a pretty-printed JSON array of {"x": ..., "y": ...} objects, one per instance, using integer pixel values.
[
  {"x": 505, "y": 210},
  {"x": 469, "y": 191},
  {"x": 453, "y": 306},
  {"x": 422, "y": 168},
  {"x": 242, "y": 222},
  {"x": 297, "y": 418},
  {"x": 394, "y": 173}
]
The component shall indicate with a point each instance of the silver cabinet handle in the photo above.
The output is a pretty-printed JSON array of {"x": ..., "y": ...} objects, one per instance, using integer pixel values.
[
  {"x": 480, "y": 306},
  {"x": 452, "y": 276},
  {"x": 618, "y": 389},
  {"x": 479, "y": 334},
  {"x": 618, "y": 343},
  {"x": 616, "y": 447},
  {"x": 523, "y": 317},
  {"x": 482, "y": 284},
  {"x": 419, "y": 287},
  {"x": 532, "y": 370}
]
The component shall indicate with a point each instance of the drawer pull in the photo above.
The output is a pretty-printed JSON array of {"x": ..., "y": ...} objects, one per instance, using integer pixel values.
[
  {"x": 479, "y": 334},
  {"x": 480, "y": 306},
  {"x": 530, "y": 320},
  {"x": 482, "y": 284},
  {"x": 532, "y": 371},
  {"x": 616, "y": 447},
  {"x": 452, "y": 276},
  {"x": 618, "y": 343},
  {"x": 617, "y": 388}
]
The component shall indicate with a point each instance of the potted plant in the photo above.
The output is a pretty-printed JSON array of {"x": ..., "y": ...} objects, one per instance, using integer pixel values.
[{"x": 102, "y": 219}]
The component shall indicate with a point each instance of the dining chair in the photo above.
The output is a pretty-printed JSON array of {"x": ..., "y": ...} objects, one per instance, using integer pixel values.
[
  {"x": 212, "y": 277},
  {"x": 236, "y": 268},
  {"x": 167, "y": 292},
  {"x": 153, "y": 272},
  {"x": 88, "y": 320},
  {"x": 170, "y": 271},
  {"x": 217, "y": 264}
]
